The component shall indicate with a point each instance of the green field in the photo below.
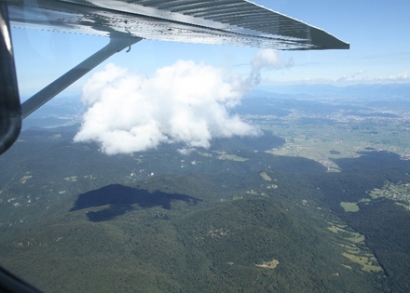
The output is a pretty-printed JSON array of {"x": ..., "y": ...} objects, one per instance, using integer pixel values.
[
  {"x": 349, "y": 206},
  {"x": 353, "y": 242}
]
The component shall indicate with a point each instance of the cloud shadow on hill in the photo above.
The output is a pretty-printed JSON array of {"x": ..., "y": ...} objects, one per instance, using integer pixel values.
[{"x": 121, "y": 200}]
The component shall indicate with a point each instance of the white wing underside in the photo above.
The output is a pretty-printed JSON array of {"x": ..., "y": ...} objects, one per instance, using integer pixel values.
[{"x": 231, "y": 22}]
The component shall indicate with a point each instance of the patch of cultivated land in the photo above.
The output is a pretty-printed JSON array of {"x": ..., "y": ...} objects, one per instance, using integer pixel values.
[
  {"x": 231, "y": 157},
  {"x": 269, "y": 264},
  {"x": 265, "y": 176},
  {"x": 353, "y": 251},
  {"x": 366, "y": 261},
  {"x": 349, "y": 206},
  {"x": 400, "y": 193}
]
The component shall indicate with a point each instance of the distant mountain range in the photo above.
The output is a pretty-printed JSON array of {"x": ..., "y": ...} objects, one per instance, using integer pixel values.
[{"x": 320, "y": 90}]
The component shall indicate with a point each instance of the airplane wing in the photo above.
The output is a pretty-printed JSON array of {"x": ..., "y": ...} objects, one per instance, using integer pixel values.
[{"x": 232, "y": 22}]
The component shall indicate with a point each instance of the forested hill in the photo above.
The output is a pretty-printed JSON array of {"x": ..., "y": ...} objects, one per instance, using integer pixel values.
[{"x": 384, "y": 223}]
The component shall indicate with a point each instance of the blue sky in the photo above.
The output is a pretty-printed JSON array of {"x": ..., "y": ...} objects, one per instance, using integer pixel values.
[{"x": 377, "y": 30}]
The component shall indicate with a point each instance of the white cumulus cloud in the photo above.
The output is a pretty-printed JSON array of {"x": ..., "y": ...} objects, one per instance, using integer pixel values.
[
  {"x": 186, "y": 102},
  {"x": 266, "y": 59}
]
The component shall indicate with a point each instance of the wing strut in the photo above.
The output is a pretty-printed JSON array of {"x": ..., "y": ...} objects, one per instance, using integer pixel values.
[{"x": 116, "y": 44}]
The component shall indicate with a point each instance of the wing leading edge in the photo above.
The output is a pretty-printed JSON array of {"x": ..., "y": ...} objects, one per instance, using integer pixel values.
[{"x": 231, "y": 22}]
